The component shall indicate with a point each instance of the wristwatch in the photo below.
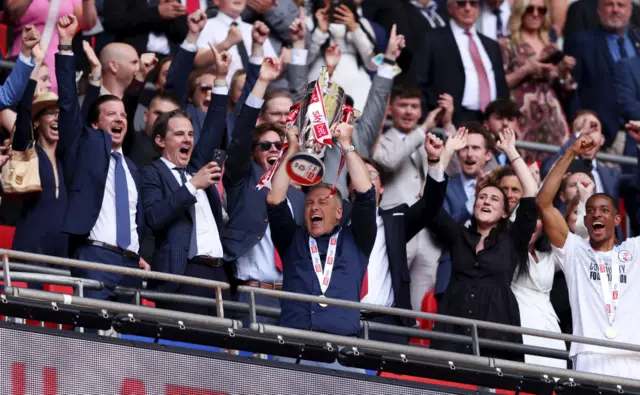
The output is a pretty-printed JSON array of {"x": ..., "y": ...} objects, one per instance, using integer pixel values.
[
  {"x": 348, "y": 149},
  {"x": 220, "y": 83},
  {"x": 65, "y": 47},
  {"x": 389, "y": 61},
  {"x": 94, "y": 78}
]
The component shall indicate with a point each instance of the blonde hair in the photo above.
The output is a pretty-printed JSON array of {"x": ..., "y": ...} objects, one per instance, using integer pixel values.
[{"x": 518, "y": 10}]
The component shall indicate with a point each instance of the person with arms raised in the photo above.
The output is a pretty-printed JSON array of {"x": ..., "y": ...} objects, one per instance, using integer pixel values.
[
  {"x": 485, "y": 255},
  {"x": 104, "y": 217},
  {"x": 321, "y": 257},
  {"x": 599, "y": 274}
]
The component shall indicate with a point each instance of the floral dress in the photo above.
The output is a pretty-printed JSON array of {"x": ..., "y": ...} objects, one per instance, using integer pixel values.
[{"x": 539, "y": 99}]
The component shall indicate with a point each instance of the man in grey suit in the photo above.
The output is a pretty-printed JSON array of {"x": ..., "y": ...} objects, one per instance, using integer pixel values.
[
  {"x": 368, "y": 125},
  {"x": 400, "y": 151}
]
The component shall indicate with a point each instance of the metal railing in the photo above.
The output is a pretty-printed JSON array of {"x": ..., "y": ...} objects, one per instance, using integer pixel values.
[{"x": 402, "y": 351}]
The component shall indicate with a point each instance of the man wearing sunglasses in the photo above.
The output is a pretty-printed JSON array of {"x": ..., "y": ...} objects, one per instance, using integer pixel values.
[
  {"x": 473, "y": 75},
  {"x": 247, "y": 239}
]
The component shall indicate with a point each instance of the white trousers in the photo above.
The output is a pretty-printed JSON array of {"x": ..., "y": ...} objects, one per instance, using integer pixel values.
[
  {"x": 627, "y": 366},
  {"x": 422, "y": 258}
]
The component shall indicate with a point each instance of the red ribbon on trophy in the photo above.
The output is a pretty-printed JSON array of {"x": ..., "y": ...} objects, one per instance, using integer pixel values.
[
  {"x": 265, "y": 180},
  {"x": 318, "y": 117}
]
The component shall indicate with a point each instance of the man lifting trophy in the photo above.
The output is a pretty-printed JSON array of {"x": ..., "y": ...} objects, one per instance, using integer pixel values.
[{"x": 323, "y": 106}]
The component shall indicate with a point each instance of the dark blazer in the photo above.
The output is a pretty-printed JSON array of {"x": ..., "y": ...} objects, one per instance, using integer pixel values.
[
  {"x": 85, "y": 153},
  {"x": 594, "y": 73},
  {"x": 455, "y": 204},
  {"x": 39, "y": 227},
  {"x": 439, "y": 70},
  {"x": 627, "y": 82},
  {"x": 583, "y": 15},
  {"x": 131, "y": 21},
  {"x": 409, "y": 22},
  {"x": 166, "y": 203},
  {"x": 247, "y": 206}
]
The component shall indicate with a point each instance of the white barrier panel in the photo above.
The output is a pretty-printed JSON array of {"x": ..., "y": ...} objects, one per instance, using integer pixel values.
[{"x": 37, "y": 362}]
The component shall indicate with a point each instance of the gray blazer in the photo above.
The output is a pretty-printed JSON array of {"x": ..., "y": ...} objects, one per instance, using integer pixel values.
[{"x": 365, "y": 134}]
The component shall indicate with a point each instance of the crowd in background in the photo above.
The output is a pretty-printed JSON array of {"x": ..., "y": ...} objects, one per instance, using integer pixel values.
[{"x": 155, "y": 124}]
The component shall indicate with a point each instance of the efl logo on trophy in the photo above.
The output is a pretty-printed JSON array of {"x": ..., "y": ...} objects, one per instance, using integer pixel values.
[{"x": 323, "y": 105}]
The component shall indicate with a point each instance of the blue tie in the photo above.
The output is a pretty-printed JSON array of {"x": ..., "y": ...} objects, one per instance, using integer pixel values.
[
  {"x": 123, "y": 224},
  {"x": 193, "y": 246}
]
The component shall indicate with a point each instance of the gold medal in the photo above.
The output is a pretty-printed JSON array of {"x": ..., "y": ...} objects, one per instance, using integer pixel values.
[
  {"x": 325, "y": 305},
  {"x": 610, "y": 333}
]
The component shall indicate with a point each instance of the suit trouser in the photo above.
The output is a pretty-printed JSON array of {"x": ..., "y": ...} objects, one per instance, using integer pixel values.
[
  {"x": 422, "y": 258},
  {"x": 206, "y": 272},
  {"x": 110, "y": 280}
]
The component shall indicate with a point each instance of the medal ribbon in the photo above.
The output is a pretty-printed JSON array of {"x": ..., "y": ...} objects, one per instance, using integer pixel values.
[
  {"x": 611, "y": 294},
  {"x": 317, "y": 116},
  {"x": 324, "y": 277}
]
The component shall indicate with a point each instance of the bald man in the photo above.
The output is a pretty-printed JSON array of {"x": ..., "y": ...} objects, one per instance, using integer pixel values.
[{"x": 120, "y": 63}]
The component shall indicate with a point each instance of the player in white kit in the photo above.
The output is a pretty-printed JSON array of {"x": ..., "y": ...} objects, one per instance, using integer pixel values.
[{"x": 603, "y": 278}]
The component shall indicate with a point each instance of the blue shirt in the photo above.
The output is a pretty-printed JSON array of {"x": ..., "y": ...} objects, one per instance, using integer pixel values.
[
  {"x": 614, "y": 48},
  {"x": 354, "y": 246}
]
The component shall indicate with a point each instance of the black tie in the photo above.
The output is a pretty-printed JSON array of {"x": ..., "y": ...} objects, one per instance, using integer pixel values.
[
  {"x": 242, "y": 50},
  {"x": 497, "y": 13},
  {"x": 623, "y": 50}
]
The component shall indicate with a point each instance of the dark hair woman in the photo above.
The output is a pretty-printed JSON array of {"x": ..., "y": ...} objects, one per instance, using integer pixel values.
[{"x": 485, "y": 255}]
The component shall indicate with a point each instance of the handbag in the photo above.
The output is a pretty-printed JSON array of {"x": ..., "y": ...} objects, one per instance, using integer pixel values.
[{"x": 21, "y": 174}]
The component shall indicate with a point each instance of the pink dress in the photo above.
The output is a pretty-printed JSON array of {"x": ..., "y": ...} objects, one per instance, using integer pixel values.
[{"x": 36, "y": 15}]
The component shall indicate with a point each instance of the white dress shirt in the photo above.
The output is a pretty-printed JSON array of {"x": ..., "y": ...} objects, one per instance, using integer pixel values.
[
  {"x": 159, "y": 43},
  {"x": 487, "y": 21},
  {"x": 105, "y": 227},
  {"x": 429, "y": 13},
  {"x": 217, "y": 29},
  {"x": 207, "y": 235},
  {"x": 380, "y": 289},
  {"x": 471, "y": 96},
  {"x": 469, "y": 185}
]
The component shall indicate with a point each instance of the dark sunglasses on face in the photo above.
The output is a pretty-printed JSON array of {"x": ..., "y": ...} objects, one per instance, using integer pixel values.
[
  {"x": 205, "y": 87},
  {"x": 531, "y": 9},
  {"x": 464, "y": 3},
  {"x": 266, "y": 145}
]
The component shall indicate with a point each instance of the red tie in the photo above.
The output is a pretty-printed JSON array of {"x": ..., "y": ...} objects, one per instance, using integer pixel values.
[
  {"x": 276, "y": 259},
  {"x": 365, "y": 285},
  {"x": 192, "y": 6},
  {"x": 220, "y": 186},
  {"x": 483, "y": 80}
]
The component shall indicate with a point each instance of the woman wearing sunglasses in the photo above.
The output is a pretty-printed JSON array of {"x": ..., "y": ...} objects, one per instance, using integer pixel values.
[{"x": 538, "y": 74}]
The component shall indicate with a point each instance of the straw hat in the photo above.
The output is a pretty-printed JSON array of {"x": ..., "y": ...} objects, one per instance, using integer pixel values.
[{"x": 42, "y": 101}]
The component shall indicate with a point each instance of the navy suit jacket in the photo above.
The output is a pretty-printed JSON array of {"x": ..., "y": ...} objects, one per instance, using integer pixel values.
[
  {"x": 167, "y": 203},
  {"x": 247, "y": 206},
  {"x": 85, "y": 153},
  {"x": 594, "y": 73},
  {"x": 455, "y": 204}
]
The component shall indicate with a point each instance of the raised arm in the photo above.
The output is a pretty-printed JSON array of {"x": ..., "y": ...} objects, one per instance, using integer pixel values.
[
  {"x": 298, "y": 70},
  {"x": 507, "y": 145},
  {"x": 23, "y": 135},
  {"x": 239, "y": 152},
  {"x": 70, "y": 118},
  {"x": 555, "y": 227},
  {"x": 15, "y": 84}
]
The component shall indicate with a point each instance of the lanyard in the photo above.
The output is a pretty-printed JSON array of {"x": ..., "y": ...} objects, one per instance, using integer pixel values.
[
  {"x": 324, "y": 277},
  {"x": 611, "y": 294}
]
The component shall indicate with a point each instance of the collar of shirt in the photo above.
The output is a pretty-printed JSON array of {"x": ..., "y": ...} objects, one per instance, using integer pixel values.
[
  {"x": 594, "y": 164},
  {"x": 170, "y": 165},
  {"x": 468, "y": 183},
  {"x": 431, "y": 8},
  {"x": 227, "y": 20},
  {"x": 459, "y": 30},
  {"x": 400, "y": 134},
  {"x": 120, "y": 151}
]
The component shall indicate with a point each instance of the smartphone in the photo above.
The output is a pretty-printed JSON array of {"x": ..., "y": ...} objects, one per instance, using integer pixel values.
[
  {"x": 554, "y": 58},
  {"x": 219, "y": 156}
]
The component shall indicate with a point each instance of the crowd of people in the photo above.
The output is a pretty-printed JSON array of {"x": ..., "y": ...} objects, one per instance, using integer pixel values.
[{"x": 160, "y": 133}]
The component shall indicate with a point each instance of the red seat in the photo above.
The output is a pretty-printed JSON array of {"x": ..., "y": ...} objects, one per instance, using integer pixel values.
[
  {"x": 429, "y": 305},
  {"x": 6, "y": 236}
]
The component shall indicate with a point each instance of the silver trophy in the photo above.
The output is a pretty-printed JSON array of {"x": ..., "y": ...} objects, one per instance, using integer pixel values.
[{"x": 306, "y": 167}]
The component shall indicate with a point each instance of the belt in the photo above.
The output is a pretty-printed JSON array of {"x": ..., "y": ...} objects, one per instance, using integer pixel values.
[
  {"x": 125, "y": 253},
  {"x": 206, "y": 260},
  {"x": 260, "y": 284}
]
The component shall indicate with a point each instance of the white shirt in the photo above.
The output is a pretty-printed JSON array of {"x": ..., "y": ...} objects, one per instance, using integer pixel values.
[
  {"x": 596, "y": 176},
  {"x": 159, "y": 43},
  {"x": 471, "y": 96},
  {"x": 469, "y": 185},
  {"x": 216, "y": 30},
  {"x": 380, "y": 290},
  {"x": 105, "y": 227},
  {"x": 207, "y": 235},
  {"x": 585, "y": 293},
  {"x": 487, "y": 21},
  {"x": 429, "y": 13}
]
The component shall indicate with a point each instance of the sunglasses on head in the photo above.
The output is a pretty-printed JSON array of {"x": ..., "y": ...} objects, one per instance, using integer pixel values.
[
  {"x": 266, "y": 145},
  {"x": 532, "y": 9},
  {"x": 464, "y": 3}
]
